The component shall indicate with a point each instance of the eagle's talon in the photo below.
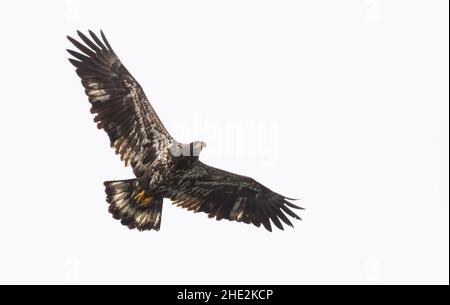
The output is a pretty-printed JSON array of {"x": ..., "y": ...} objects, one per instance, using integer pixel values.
[
  {"x": 139, "y": 196},
  {"x": 142, "y": 199},
  {"x": 148, "y": 200}
]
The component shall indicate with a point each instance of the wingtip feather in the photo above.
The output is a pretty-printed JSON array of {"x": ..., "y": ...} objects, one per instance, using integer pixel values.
[{"x": 294, "y": 206}]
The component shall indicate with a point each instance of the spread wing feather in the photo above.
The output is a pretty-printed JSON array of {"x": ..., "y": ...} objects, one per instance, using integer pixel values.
[
  {"x": 121, "y": 107},
  {"x": 225, "y": 195}
]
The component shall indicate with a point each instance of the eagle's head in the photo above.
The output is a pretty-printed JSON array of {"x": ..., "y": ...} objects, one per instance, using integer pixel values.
[{"x": 192, "y": 149}]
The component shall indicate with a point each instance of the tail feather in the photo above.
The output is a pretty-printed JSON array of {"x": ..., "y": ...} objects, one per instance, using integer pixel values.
[{"x": 133, "y": 206}]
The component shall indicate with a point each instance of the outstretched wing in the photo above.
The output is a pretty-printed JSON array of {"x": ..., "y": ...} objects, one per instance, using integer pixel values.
[
  {"x": 120, "y": 105},
  {"x": 229, "y": 196}
]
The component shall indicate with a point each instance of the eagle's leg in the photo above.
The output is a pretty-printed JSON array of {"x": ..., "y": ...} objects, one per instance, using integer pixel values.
[{"x": 142, "y": 199}]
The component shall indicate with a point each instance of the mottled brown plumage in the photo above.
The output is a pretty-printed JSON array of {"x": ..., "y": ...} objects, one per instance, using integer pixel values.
[{"x": 164, "y": 168}]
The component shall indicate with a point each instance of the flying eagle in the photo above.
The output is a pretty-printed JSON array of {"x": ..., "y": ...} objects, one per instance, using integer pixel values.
[{"x": 164, "y": 168}]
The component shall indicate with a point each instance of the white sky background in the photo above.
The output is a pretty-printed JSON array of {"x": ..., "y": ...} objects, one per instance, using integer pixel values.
[{"x": 341, "y": 103}]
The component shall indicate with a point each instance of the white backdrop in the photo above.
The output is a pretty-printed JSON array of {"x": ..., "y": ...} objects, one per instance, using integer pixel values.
[{"x": 341, "y": 103}]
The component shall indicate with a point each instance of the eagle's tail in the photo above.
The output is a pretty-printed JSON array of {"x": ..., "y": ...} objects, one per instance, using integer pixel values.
[{"x": 132, "y": 205}]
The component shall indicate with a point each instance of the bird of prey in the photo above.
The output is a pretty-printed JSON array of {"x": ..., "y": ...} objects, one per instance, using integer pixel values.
[{"x": 163, "y": 167}]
